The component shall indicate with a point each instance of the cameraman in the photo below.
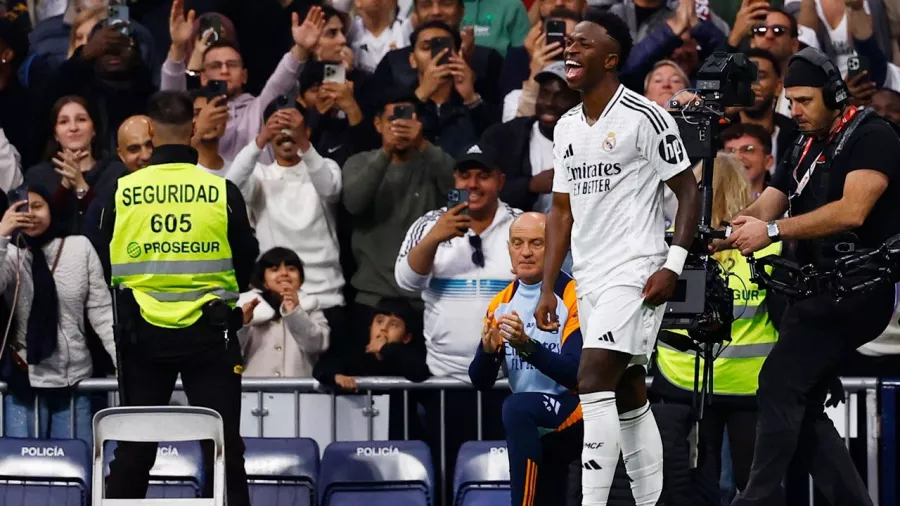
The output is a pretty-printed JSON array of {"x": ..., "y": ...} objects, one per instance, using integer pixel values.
[{"x": 837, "y": 201}]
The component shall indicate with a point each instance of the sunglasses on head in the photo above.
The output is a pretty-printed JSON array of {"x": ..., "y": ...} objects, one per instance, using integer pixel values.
[
  {"x": 478, "y": 254},
  {"x": 777, "y": 30}
]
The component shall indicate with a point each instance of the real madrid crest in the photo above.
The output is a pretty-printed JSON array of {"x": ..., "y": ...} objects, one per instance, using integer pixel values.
[{"x": 610, "y": 143}]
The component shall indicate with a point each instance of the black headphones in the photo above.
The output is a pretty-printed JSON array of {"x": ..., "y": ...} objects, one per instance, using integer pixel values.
[{"x": 835, "y": 92}]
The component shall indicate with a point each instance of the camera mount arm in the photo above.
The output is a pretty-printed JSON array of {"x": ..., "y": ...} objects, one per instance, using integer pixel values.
[{"x": 852, "y": 274}]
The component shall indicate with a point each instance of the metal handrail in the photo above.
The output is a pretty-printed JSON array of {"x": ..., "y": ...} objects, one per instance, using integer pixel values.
[{"x": 278, "y": 385}]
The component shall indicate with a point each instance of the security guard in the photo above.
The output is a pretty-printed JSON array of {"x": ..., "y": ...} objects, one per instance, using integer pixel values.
[
  {"x": 841, "y": 191},
  {"x": 181, "y": 250}
]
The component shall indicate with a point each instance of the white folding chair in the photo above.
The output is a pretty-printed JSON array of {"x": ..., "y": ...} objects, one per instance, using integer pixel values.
[{"x": 155, "y": 424}]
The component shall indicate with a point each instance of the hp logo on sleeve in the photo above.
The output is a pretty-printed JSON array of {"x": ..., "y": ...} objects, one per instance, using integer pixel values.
[{"x": 672, "y": 150}]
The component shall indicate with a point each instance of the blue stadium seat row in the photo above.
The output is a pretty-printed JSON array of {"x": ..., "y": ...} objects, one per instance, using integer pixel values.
[{"x": 282, "y": 472}]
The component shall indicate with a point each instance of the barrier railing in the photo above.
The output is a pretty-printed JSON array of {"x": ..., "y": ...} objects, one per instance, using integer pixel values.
[
  {"x": 370, "y": 385},
  {"x": 889, "y": 391}
]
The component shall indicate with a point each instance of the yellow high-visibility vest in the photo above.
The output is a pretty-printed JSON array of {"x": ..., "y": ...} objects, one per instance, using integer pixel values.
[
  {"x": 170, "y": 242},
  {"x": 736, "y": 370}
]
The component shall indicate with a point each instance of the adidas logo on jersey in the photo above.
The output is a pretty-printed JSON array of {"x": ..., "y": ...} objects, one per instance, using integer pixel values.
[
  {"x": 592, "y": 465},
  {"x": 569, "y": 152},
  {"x": 607, "y": 338},
  {"x": 551, "y": 404}
]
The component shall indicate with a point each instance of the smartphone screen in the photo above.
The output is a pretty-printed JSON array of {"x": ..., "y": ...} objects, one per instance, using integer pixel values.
[
  {"x": 211, "y": 23},
  {"x": 456, "y": 197},
  {"x": 555, "y": 31},
  {"x": 118, "y": 13},
  {"x": 403, "y": 111},
  {"x": 438, "y": 44},
  {"x": 856, "y": 65},
  {"x": 334, "y": 73},
  {"x": 217, "y": 88},
  {"x": 285, "y": 102},
  {"x": 17, "y": 195}
]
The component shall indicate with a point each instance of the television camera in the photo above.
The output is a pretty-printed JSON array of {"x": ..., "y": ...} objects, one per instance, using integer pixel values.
[{"x": 703, "y": 303}]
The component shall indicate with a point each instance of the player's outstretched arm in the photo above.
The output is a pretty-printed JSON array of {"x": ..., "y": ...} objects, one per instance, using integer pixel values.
[{"x": 559, "y": 233}]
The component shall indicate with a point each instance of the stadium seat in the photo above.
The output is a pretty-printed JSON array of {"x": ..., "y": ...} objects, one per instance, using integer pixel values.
[
  {"x": 177, "y": 473},
  {"x": 377, "y": 473},
  {"x": 44, "y": 471},
  {"x": 282, "y": 472},
  {"x": 482, "y": 474}
]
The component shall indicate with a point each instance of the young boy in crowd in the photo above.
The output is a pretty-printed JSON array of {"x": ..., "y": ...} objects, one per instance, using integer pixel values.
[{"x": 390, "y": 351}]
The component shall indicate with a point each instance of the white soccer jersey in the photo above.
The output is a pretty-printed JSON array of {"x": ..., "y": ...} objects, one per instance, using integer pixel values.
[{"x": 613, "y": 172}]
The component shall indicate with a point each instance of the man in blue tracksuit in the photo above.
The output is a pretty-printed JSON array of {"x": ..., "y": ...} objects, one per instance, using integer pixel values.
[{"x": 542, "y": 417}]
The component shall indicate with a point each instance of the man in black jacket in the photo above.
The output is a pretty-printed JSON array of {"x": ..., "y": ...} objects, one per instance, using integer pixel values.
[
  {"x": 528, "y": 142},
  {"x": 110, "y": 72},
  {"x": 395, "y": 69}
]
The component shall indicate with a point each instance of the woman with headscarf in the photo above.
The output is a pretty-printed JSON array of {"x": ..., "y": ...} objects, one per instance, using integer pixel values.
[{"x": 55, "y": 283}]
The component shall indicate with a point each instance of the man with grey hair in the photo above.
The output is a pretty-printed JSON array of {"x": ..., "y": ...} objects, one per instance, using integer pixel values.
[{"x": 541, "y": 418}]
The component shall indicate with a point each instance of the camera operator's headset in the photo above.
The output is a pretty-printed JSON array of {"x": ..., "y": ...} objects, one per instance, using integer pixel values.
[{"x": 835, "y": 92}]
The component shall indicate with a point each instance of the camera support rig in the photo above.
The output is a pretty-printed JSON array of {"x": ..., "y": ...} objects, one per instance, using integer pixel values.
[
  {"x": 852, "y": 274},
  {"x": 703, "y": 304}
]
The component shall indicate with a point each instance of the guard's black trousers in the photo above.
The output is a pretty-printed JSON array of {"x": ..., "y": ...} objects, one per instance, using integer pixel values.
[
  {"x": 817, "y": 334},
  {"x": 210, "y": 380}
]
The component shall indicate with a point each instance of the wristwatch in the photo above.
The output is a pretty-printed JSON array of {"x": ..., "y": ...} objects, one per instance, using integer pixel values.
[
  {"x": 772, "y": 231},
  {"x": 80, "y": 193}
]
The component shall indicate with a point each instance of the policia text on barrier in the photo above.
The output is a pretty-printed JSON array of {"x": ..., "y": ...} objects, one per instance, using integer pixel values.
[{"x": 181, "y": 250}]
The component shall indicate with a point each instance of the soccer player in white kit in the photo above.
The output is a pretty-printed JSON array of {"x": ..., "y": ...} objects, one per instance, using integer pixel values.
[{"x": 612, "y": 154}]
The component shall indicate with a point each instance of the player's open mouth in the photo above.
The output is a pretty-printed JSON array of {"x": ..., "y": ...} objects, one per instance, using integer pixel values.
[{"x": 574, "y": 70}]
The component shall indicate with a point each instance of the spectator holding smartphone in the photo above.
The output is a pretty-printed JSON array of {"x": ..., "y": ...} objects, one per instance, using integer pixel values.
[
  {"x": 457, "y": 257},
  {"x": 385, "y": 191},
  {"x": 222, "y": 61},
  {"x": 452, "y": 113},
  {"x": 52, "y": 299},
  {"x": 518, "y": 60},
  {"x": 209, "y": 29},
  {"x": 523, "y": 64},
  {"x": 395, "y": 69},
  {"x": 333, "y": 115},
  {"x": 110, "y": 71},
  {"x": 272, "y": 193},
  {"x": 284, "y": 330}
]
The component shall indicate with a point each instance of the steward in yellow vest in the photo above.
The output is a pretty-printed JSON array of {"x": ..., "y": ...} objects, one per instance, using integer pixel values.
[
  {"x": 736, "y": 368},
  {"x": 181, "y": 249}
]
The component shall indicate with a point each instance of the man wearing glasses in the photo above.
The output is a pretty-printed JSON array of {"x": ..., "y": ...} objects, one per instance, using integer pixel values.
[
  {"x": 223, "y": 62},
  {"x": 458, "y": 259},
  {"x": 753, "y": 146}
]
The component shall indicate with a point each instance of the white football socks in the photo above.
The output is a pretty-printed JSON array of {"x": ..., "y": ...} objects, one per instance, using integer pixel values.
[
  {"x": 643, "y": 453},
  {"x": 600, "y": 452}
]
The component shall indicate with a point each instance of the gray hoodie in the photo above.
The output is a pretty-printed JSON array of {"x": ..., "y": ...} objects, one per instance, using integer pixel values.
[{"x": 81, "y": 289}]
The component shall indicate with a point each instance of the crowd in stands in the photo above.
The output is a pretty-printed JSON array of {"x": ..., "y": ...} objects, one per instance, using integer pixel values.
[{"x": 345, "y": 124}]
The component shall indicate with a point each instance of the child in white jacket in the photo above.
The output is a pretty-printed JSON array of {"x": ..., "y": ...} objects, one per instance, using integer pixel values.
[{"x": 285, "y": 330}]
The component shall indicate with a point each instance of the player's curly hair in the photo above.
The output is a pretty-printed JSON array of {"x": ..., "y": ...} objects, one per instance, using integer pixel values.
[{"x": 616, "y": 28}]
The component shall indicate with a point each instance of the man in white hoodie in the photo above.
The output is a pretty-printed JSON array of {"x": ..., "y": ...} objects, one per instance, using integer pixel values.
[{"x": 292, "y": 202}]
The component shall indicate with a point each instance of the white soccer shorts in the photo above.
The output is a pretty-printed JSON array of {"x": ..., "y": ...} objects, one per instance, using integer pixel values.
[{"x": 618, "y": 319}]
